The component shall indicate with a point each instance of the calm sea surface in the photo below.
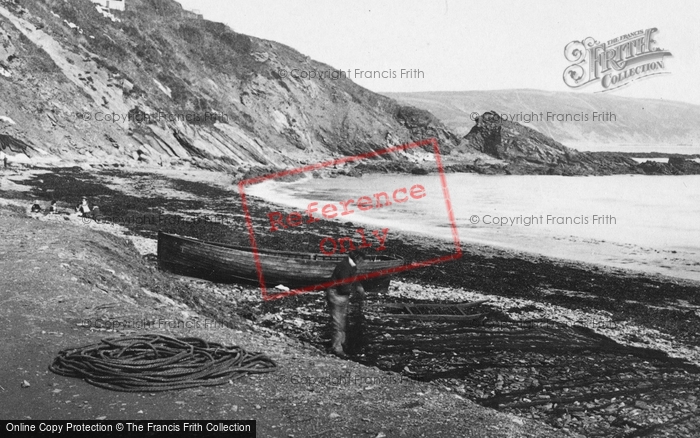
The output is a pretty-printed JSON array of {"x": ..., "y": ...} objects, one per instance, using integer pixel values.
[{"x": 648, "y": 223}]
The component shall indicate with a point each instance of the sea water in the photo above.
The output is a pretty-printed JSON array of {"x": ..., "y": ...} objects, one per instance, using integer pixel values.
[{"x": 639, "y": 222}]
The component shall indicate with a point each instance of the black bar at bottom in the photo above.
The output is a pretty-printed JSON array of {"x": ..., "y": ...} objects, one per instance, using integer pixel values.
[{"x": 139, "y": 428}]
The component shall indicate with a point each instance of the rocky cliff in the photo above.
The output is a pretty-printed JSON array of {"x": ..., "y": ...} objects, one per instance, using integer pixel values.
[
  {"x": 675, "y": 166},
  {"x": 528, "y": 151},
  {"x": 158, "y": 85}
]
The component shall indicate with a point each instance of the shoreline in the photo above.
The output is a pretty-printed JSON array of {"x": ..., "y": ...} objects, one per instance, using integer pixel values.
[
  {"x": 643, "y": 314},
  {"x": 204, "y": 178},
  {"x": 517, "y": 265},
  {"x": 78, "y": 292},
  {"x": 600, "y": 321},
  {"x": 674, "y": 263}
]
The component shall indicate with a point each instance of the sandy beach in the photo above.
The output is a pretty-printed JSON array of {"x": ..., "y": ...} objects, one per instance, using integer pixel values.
[{"x": 546, "y": 319}]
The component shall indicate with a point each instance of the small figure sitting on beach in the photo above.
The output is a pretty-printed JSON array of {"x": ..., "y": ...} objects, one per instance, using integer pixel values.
[
  {"x": 83, "y": 208},
  {"x": 96, "y": 213},
  {"x": 53, "y": 209},
  {"x": 36, "y": 208}
]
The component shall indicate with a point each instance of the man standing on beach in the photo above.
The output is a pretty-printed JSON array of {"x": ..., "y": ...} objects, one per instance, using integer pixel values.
[{"x": 338, "y": 298}]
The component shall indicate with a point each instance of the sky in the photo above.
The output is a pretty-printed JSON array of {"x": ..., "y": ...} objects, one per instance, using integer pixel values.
[{"x": 470, "y": 45}]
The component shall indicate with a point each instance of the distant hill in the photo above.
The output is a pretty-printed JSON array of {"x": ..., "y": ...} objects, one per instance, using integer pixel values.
[{"x": 639, "y": 125}]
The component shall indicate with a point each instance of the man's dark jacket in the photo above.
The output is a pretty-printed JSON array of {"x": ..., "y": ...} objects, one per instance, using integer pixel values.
[{"x": 342, "y": 271}]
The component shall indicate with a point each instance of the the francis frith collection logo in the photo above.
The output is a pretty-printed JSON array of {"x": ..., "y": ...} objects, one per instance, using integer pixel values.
[{"x": 615, "y": 63}]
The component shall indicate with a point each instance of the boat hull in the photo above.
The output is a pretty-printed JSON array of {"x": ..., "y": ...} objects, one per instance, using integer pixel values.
[{"x": 227, "y": 263}]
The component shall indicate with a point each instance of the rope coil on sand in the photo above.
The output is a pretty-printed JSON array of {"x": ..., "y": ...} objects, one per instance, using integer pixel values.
[{"x": 152, "y": 363}]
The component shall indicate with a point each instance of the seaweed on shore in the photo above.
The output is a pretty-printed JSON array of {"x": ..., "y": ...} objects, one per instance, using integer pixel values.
[
  {"x": 626, "y": 295},
  {"x": 568, "y": 376}
]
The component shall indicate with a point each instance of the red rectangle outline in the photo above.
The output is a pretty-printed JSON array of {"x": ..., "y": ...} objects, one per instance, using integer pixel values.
[{"x": 376, "y": 153}]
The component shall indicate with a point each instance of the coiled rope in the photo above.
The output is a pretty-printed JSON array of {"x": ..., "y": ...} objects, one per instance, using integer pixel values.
[{"x": 153, "y": 362}]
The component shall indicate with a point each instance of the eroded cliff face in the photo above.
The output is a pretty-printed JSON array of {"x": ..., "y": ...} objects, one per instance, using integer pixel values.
[{"x": 158, "y": 86}]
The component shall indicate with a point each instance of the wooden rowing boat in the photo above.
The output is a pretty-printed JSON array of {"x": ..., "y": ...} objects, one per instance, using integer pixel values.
[{"x": 229, "y": 263}]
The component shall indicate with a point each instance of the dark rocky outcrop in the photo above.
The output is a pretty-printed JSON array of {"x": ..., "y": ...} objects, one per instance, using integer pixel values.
[
  {"x": 684, "y": 166},
  {"x": 528, "y": 151},
  {"x": 675, "y": 166},
  {"x": 11, "y": 144}
]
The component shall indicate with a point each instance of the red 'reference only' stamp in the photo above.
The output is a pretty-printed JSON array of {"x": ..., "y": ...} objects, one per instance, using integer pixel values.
[{"x": 314, "y": 212}]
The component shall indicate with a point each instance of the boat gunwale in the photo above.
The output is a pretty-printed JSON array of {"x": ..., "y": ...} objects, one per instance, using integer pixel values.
[{"x": 273, "y": 252}]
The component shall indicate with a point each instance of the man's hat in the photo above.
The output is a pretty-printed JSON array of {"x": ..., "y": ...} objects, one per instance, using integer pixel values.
[{"x": 358, "y": 253}]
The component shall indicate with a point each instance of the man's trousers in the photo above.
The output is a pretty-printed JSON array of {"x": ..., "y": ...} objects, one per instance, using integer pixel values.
[
  {"x": 338, "y": 308},
  {"x": 347, "y": 320}
]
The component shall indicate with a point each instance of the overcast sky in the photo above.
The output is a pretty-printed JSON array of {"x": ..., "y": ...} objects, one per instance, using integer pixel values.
[{"x": 470, "y": 45}]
